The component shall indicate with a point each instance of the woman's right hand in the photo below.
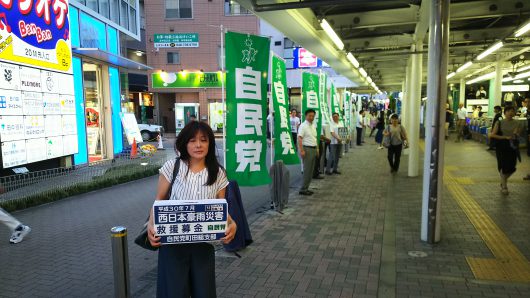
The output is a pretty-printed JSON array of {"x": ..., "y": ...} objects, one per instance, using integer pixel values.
[{"x": 153, "y": 239}]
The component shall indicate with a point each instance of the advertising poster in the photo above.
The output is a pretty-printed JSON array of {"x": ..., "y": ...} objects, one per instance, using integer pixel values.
[
  {"x": 10, "y": 102},
  {"x": 92, "y": 136},
  {"x": 69, "y": 125},
  {"x": 51, "y": 82},
  {"x": 34, "y": 127},
  {"x": 52, "y": 104},
  {"x": 36, "y": 34},
  {"x": 30, "y": 79},
  {"x": 11, "y": 128},
  {"x": 67, "y": 103},
  {"x": 176, "y": 40},
  {"x": 53, "y": 125},
  {"x": 32, "y": 103},
  {"x": 13, "y": 153},
  {"x": 247, "y": 64},
  {"x": 130, "y": 126},
  {"x": 9, "y": 76},
  {"x": 70, "y": 145},
  {"x": 181, "y": 221},
  {"x": 54, "y": 147},
  {"x": 187, "y": 79},
  {"x": 284, "y": 148},
  {"x": 36, "y": 150}
]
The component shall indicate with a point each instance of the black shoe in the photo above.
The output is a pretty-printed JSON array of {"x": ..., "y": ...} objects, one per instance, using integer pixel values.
[
  {"x": 305, "y": 193},
  {"x": 336, "y": 172},
  {"x": 318, "y": 177}
]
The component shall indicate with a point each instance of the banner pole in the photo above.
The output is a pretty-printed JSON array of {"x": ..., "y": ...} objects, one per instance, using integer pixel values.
[
  {"x": 271, "y": 108},
  {"x": 223, "y": 77}
]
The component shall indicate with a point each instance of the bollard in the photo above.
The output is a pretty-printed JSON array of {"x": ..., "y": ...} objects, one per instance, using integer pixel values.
[{"x": 120, "y": 260}]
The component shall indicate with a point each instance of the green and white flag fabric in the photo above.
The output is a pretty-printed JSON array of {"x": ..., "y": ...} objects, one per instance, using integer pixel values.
[
  {"x": 324, "y": 107},
  {"x": 335, "y": 105},
  {"x": 284, "y": 148},
  {"x": 310, "y": 98},
  {"x": 247, "y": 63}
]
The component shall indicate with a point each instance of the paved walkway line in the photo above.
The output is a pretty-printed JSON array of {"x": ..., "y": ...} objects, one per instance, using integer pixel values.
[
  {"x": 509, "y": 263},
  {"x": 387, "y": 271}
]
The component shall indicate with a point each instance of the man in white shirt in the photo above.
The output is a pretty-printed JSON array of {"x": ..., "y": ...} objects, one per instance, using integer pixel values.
[
  {"x": 359, "y": 127},
  {"x": 461, "y": 115},
  {"x": 295, "y": 123},
  {"x": 335, "y": 148},
  {"x": 307, "y": 144}
]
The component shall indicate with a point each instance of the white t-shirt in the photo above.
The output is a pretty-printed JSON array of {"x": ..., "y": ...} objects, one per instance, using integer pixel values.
[
  {"x": 192, "y": 186},
  {"x": 461, "y": 114},
  {"x": 295, "y": 121},
  {"x": 359, "y": 121},
  {"x": 308, "y": 132},
  {"x": 334, "y": 127}
]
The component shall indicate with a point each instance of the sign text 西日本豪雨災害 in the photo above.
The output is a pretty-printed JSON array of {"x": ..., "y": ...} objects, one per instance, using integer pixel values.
[
  {"x": 181, "y": 221},
  {"x": 176, "y": 40}
]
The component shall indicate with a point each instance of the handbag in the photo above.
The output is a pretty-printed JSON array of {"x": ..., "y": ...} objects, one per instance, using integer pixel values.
[
  {"x": 386, "y": 139},
  {"x": 142, "y": 240}
]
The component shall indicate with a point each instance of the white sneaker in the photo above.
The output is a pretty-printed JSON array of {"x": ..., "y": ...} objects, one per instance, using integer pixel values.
[{"x": 18, "y": 235}]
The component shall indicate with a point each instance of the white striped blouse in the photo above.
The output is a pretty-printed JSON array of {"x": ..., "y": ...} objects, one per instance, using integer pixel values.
[{"x": 192, "y": 186}]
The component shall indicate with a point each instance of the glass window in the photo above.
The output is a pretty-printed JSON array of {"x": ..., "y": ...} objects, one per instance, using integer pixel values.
[
  {"x": 104, "y": 8},
  {"x": 173, "y": 58},
  {"x": 132, "y": 20},
  {"x": 124, "y": 12},
  {"x": 115, "y": 11},
  {"x": 179, "y": 9},
  {"x": 94, "y": 112},
  {"x": 233, "y": 8},
  {"x": 92, "y": 4}
]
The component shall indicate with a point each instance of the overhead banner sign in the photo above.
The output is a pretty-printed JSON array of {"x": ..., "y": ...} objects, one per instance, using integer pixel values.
[
  {"x": 283, "y": 145},
  {"x": 310, "y": 98},
  {"x": 36, "y": 33},
  {"x": 176, "y": 40},
  {"x": 187, "y": 79},
  {"x": 247, "y": 63}
]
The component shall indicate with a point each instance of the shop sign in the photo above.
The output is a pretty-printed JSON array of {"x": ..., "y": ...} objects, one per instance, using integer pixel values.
[
  {"x": 30, "y": 79},
  {"x": 36, "y": 33},
  {"x": 130, "y": 126},
  {"x": 9, "y": 76},
  {"x": 36, "y": 149},
  {"x": 32, "y": 103},
  {"x": 11, "y": 128},
  {"x": 34, "y": 127},
  {"x": 69, "y": 125},
  {"x": 181, "y": 221},
  {"x": 305, "y": 59},
  {"x": 176, "y": 40},
  {"x": 53, "y": 125},
  {"x": 10, "y": 102},
  {"x": 51, "y": 104},
  {"x": 67, "y": 103},
  {"x": 54, "y": 147},
  {"x": 284, "y": 148},
  {"x": 247, "y": 64},
  {"x": 70, "y": 145},
  {"x": 13, "y": 153},
  {"x": 187, "y": 79},
  {"x": 92, "y": 137}
]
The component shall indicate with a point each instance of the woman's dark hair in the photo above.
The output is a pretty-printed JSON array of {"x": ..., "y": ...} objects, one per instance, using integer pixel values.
[
  {"x": 310, "y": 111},
  {"x": 509, "y": 108},
  {"x": 181, "y": 145},
  {"x": 394, "y": 116}
]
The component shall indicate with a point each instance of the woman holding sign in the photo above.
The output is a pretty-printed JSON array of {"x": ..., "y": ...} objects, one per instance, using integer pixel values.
[{"x": 188, "y": 269}]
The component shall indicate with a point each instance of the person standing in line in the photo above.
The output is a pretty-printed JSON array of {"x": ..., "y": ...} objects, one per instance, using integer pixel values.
[
  {"x": 188, "y": 269},
  {"x": 359, "y": 127},
  {"x": 506, "y": 132},
  {"x": 325, "y": 140},
  {"x": 366, "y": 124},
  {"x": 448, "y": 119},
  {"x": 398, "y": 137},
  {"x": 475, "y": 112},
  {"x": 461, "y": 115},
  {"x": 19, "y": 231},
  {"x": 380, "y": 126},
  {"x": 335, "y": 146},
  {"x": 498, "y": 116},
  {"x": 295, "y": 123},
  {"x": 307, "y": 144}
]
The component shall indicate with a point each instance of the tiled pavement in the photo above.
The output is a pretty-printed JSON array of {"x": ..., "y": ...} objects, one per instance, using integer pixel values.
[{"x": 351, "y": 239}]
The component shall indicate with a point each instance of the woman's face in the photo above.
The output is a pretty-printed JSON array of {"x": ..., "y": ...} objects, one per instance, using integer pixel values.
[
  {"x": 395, "y": 121},
  {"x": 509, "y": 113},
  {"x": 198, "y": 146}
]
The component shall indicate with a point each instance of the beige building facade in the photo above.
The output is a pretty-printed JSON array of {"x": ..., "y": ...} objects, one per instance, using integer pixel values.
[{"x": 183, "y": 37}]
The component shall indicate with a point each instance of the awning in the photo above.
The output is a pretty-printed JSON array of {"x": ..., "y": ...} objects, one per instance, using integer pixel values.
[{"x": 111, "y": 58}]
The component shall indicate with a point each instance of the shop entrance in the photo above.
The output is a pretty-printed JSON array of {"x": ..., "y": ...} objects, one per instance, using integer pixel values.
[{"x": 94, "y": 112}]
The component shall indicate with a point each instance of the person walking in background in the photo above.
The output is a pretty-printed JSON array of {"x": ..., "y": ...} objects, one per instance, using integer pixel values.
[
  {"x": 506, "y": 131},
  {"x": 366, "y": 124},
  {"x": 398, "y": 137},
  {"x": 448, "y": 119},
  {"x": 461, "y": 115},
  {"x": 527, "y": 101},
  {"x": 475, "y": 112},
  {"x": 307, "y": 144},
  {"x": 335, "y": 146},
  {"x": 19, "y": 231},
  {"x": 359, "y": 127},
  {"x": 380, "y": 126},
  {"x": 498, "y": 116},
  {"x": 295, "y": 123}
]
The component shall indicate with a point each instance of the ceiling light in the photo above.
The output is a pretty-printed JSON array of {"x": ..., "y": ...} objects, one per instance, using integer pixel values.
[
  {"x": 518, "y": 81},
  {"x": 369, "y": 80},
  {"x": 373, "y": 85},
  {"x": 331, "y": 33},
  {"x": 352, "y": 59},
  {"x": 451, "y": 75},
  {"x": 485, "y": 77},
  {"x": 522, "y": 30},
  {"x": 523, "y": 68},
  {"x": 490, "y": 50},
  {"x": 363, "y": 72},
  {"x": 461, "y": 68},
  {"x": 139, "y": 53}
]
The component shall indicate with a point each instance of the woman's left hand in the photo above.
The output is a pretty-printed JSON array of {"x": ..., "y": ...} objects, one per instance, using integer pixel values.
[{"x": 230, "y": 232}]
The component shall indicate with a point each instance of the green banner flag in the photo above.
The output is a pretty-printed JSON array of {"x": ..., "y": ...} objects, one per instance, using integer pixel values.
[
  {"x": 247, "y": 63},
  {"x": 324, "y": 108},
  {"x": 310, "y": 98},
  {"x": 284, "y": 148}
]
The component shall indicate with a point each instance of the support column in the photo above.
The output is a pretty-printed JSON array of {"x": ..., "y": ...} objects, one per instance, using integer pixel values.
[
  {"x": 462, "y": 91},
  {"x": 405, "y": 103},
  {"x": 496, "y": 96},
  {"x": 434, "y": 125},
  {"x": 414, "y": 112}
]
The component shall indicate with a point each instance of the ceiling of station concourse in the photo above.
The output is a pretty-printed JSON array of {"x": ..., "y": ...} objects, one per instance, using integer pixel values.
[{"x": 379, "y": 33}]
